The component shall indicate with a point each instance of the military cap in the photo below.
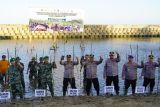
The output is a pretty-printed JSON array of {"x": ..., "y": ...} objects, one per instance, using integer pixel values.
[{"x": 12, "y": 59}]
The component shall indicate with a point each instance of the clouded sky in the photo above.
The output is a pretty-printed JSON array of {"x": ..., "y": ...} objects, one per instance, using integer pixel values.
[{"x": 96, "y": 11}]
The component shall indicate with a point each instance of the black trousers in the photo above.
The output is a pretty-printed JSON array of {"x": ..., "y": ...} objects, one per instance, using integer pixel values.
[
  {"x": 39, "y": 83},
  {"x": 148, "y": 81},
  {"x": 66, "y": 81},
  {"x": 3, "y": 77},
  {"x": 115, "y": 81},
  {"x": 127, "y": 84},
  {"x": 22, "y": 81},
  {"x": 84, "y": 80},
  {"x": 89, "y": 85}
]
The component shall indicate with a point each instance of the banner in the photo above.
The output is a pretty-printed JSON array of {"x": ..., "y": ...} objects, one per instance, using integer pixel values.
[{"x": 48, "y": 19}]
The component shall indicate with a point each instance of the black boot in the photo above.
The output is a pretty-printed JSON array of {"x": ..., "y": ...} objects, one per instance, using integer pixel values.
[
  {"x": 125, "y": 92},
  {"x": 117, "y": 92},
  {"x": 64, "y": 93},
  {"x": 88, "y": 93},
  {"x": 52, "y": 93},
  {"x": 97, "y": 93},
  {"x": 21, "y": 96}
]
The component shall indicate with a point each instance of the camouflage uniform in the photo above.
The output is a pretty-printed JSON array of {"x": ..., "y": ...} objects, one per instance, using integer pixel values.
[
  {"x": 33, "y": 73},
  {"x": 22, "y": 77},
  {"x": 15, "y": 80},
  {"x": 46, "y": 76},
  {"x": 21, "y": 73},
  {"x": 40, "y": 72}
]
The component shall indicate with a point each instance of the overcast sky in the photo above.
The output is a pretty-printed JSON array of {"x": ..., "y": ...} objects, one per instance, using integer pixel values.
[{"x": 96, "y": 11}]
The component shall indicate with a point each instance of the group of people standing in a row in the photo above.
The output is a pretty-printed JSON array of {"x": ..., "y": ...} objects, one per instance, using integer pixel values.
[
  {"x": 41, "y": 76},
  {"x": 12, "y": 75},
  {"x": 110, "y": 72}
]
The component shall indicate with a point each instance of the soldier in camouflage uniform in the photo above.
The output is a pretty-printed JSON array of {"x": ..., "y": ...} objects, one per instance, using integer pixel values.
[
  {"x": 40, "y": 71},
  {"x": 32, "y": 69},
  {"x": 14, "y": 78},
  {"x": 46, "y": 77},
  {"x": 21, "y": 72}
]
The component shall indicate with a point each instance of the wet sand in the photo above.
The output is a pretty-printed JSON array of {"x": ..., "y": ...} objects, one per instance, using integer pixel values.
[{"x": 92, "y": 101}]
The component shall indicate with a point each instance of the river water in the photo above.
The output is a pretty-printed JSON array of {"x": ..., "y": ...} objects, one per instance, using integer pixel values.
[{"x": 28, "y": 48}]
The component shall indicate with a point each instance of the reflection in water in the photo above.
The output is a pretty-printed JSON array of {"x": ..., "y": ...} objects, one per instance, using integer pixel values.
[{"x": 28, "y": 48}]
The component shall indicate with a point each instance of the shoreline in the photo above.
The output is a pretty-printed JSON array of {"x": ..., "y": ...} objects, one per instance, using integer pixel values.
[{"x": 89, "y": 101}]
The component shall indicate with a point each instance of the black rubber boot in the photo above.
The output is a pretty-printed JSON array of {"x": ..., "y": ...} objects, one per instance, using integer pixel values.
[
  {"x": 64, "y": 93},
  {"x": 125, "y": 92}
]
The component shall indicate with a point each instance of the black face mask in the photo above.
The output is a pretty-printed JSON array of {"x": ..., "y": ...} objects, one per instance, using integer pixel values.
[
  {"x": 111, "y": 52},
  {"x": 68, "y": 56}
]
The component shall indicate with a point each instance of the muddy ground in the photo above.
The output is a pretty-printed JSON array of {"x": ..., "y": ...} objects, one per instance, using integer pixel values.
[{"x": 85, "y": 101}]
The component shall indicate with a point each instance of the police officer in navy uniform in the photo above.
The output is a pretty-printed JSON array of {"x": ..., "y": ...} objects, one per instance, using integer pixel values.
[
  {"x": 68, "y": 72},
  {"x": 91, "y": 74},
  {"x": 129, "y": 74},
  {"x": 148, "y": 72},
  {"x": 110, "y": 73}
]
